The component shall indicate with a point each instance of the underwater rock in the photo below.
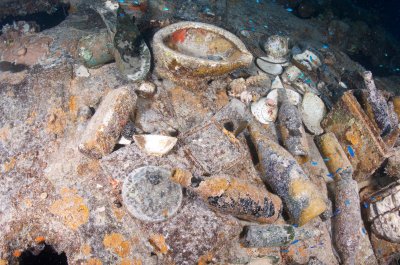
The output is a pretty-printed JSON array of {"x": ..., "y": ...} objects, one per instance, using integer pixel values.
[
  {"x": 157, "y": 145},
  {"x": 307, "y": 61},
  {"x": 269, "y": 68},
  {"x": 276, "y": 48},
  {"x": 291, "y": 126},
  {"x": 96, "y": 50},
  {"x": 313, "y": 111},
  {"x": 132, "y": 55},
  {"x": 233, "y": 196},
  {"x": 283, "y": 174},
  {"x": 150, "y": 195},
  {"x": 257, "y": 236},
  {"x": 104, "y": 128},
  {"x": 192, "y": 53},
  {"x": 375, "y": 105}
]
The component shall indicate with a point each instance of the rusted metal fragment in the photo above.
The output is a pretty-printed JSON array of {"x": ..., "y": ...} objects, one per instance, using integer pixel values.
[
  {"x": 386, "y": 252},
  {"x": 286, "y": 178},
  {"x": 233, "y": 196},
  {"x": 104, "y": 128},
  {"x": 357, "y": 135}
]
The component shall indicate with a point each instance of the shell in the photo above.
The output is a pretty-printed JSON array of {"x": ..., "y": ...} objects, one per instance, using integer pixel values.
[
  {"x": 156, "y": 145},
  {"x": 293, "y": 96},
  {"x": 265, "y": 110},
  {"x": 313, "y": 110},
  {"x": 269, "y": 68}
]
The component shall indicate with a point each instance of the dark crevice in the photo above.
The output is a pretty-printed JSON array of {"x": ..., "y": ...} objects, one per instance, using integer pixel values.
[
  {"x": 43, "y": 19},
  {"x": 43, "y": 255},
  {"x": 252, "y": 149}
]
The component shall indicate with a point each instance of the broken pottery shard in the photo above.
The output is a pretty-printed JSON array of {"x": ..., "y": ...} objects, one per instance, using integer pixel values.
[
  {"x": 347, "y": 216},
  {"x": 307, "y": 60},
  {"x": 96, "y": 50},
  {"x": 269, "y": 68},
  {"x": 257, "y": 236},
  {"x": 334, "y": 156},
  {"x": 157, "y": 145},
  {"x": 150, "y": 195},
  {"x": 383, "y": 212},
  {"x": 104, "y": 128},
  {"x": 291, "y": 126},
  {"x": 132, "y": 55},
  {"x": 375, "y": 105},
  {"x": 233, "y": 196},
  {"x": 313, "y": 110},
  {"x": 287, "y": 179},
  {"x": 181, "y": 57},
  {"x": 356, "y": 134},
  {"x": 293, "y": 96}
]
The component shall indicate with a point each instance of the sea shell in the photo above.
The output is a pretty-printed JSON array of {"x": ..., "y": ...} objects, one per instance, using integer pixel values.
[
  {"x": 265, "y": 110},
  {"x": 293, "y": 96},
  {"x": 269, "y": 68},
  {"x": 313, "y": 110},
  {"x": 157, "y": 145}
]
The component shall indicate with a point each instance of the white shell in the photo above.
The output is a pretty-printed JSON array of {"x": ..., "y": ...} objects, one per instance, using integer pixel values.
[
  {"x": 156, "y": 145},
  {"x": 263, "y": 112},
  {"x": 124, "y": 141},
  {"x": 269, "y": 68},
  {"x": 147, "y": 89},
  {"x": 313, "y": 110},
  {"x": 293, "y": 96},
  {"x": 309, "y": 59}
]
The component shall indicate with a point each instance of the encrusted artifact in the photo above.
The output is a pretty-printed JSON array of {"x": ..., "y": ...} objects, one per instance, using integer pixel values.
[
  {"x": 192, "y": 53},
  {"x": 106, "y": 125},
  {"x": 233, "y": 196},
  {"x": 150, "y": 195},
  {"x": 291, "y": 126},
  {"x": 132, "y": 55},
  {"x": 261, "y": 236},
  {"x": 375, "y": 105},
  {"x": 286, "y": 178}
]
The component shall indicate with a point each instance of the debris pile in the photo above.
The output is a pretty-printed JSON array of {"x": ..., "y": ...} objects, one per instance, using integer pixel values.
[{"x": 202, "y": 159}]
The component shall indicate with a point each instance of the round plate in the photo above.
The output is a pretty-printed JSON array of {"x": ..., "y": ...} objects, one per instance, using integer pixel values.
[{"x": 150, "y": 195}]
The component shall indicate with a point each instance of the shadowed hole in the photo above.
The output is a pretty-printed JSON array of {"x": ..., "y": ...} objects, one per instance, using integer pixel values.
[{"x": 43, "y": 255}]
